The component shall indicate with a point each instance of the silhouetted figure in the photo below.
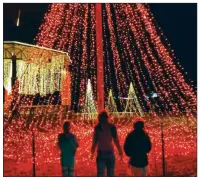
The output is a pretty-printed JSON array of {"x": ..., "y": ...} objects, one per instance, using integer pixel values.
[
  {"x": 136, "y": 146},
  {"x": 104, "y": 134},
  {"x": 68, "y": 144}
]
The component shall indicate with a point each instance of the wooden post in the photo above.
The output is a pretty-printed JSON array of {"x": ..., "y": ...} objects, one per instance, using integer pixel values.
[
  {"x": 14, "y": 70},
  {"x": 163, "y": 148},
  {"x": 33, "y": 153},
  {"x": 100, "y": 66},
  {"x": 162, "y": 138}
]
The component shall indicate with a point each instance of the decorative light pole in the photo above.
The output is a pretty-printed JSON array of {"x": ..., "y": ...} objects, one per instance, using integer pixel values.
[{"x": 100, "y": 68}]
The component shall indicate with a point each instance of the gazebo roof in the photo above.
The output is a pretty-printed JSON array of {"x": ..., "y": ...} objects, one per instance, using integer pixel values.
[{"x": 26, "y": 51}]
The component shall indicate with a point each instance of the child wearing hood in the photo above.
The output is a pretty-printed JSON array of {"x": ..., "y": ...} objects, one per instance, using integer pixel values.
[
  {"x": 137, "y": 145},
  {"x": 68, "y": 144}
]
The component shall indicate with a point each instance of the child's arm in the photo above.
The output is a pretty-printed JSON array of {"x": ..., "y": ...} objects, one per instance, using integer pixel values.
[
  {"x": 76, "y": 144},
  {"x": 148, "y": 144},
  {"x": 116, "y": 141},
  {"x": 127, "y": 146},
  {"x": 59, "y": 141},
  {"x": 94, "y": 142}
]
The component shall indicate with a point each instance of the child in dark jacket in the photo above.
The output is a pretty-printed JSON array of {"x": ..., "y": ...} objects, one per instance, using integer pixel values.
[
  {"x": 68, "y": 144},
  {"x": 136, "y": 146}
]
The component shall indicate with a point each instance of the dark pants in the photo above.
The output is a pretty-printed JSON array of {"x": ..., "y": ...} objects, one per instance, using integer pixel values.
[
  {"x": 67, "y": 171},
  {"x": 105, "y": 160}
]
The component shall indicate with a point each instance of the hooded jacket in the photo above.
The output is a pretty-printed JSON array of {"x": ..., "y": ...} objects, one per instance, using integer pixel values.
[
  {"x": 136, "y": 146},
  {"x": 67, "y": 144}
]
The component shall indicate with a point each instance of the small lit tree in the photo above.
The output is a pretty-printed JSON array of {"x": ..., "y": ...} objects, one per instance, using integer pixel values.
[
  {"x": 133, "y": 104},
  {"x": 111, "y": 106}
]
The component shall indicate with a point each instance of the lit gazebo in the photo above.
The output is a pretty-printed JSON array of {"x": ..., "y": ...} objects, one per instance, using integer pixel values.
[{"x": 37, "y": 69}]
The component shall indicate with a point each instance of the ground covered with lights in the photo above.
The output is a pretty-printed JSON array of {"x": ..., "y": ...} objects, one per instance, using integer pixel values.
[{"x": 179, "y": 136}]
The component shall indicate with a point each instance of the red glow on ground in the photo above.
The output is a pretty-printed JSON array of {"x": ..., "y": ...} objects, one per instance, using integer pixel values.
[{"x": 180, "y": 149}]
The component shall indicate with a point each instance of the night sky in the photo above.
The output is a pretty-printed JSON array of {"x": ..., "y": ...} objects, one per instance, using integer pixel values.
[{"x": 178, "y": 22}]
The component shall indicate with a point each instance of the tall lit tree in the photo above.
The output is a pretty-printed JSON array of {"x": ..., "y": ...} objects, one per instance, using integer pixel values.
[
  {"x": 134, "y": 49},
  {"x": 89, "y": 107}
]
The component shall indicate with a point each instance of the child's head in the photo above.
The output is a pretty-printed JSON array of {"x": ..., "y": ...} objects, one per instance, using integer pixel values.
[
  {"x": 66, "y": 127},
  {"x": 103, "y": 117},
  {"x": 138, "y": 123}
]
